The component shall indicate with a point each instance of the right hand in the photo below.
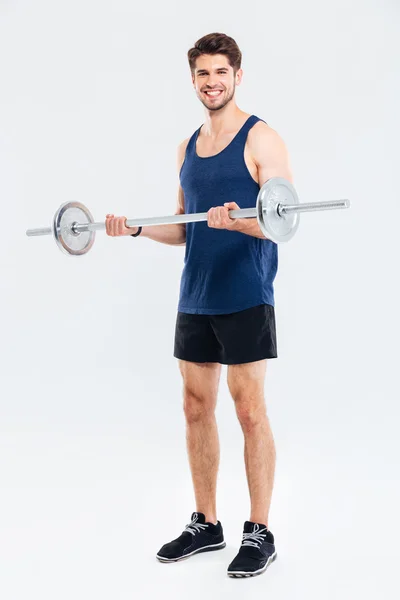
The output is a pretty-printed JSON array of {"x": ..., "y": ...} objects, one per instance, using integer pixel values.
[{"x": 116, "y": 226}]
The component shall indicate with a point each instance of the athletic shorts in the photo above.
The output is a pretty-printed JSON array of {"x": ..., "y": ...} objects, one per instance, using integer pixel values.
[{"x": 241, "y": 337}]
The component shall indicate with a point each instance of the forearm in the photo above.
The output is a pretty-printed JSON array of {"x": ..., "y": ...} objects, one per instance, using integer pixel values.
[
  {"x": 174, "y": 234},
  {"x": 250, "y": 227}
]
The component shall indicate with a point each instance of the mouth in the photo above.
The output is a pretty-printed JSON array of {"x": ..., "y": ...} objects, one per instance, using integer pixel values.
[{"x": 212, "y": 94}]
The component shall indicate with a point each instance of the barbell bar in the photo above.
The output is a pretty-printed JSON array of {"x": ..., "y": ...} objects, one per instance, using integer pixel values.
[{"x": 277, "y": 211}]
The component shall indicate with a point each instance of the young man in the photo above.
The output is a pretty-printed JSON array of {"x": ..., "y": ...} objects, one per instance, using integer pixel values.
[{"x": 226, "y": 305}]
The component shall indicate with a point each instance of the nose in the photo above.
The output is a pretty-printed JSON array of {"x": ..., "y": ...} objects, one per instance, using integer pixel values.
[{"x": 213, "y": 81}]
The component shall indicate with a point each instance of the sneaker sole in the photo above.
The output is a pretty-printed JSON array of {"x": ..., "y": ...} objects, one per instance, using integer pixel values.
[
  {"x": 203, "y": 549},
  {"x": 241, "y": 574}
]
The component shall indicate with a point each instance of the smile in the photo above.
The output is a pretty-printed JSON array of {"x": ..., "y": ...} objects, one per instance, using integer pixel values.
[{"x": 213, "y": 94}]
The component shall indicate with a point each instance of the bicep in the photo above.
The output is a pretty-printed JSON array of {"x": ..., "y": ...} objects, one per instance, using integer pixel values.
[{"x": 272, "y": 157}]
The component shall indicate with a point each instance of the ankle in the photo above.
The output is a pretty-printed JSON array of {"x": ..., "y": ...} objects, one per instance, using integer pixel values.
[
  {"x": 259, "y": 518},
  {"x": 210, "y": 517}
]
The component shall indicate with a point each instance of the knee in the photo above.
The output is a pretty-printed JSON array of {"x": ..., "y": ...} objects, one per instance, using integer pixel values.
[
  {"x": 248, "y": 417},
  {"x": 197, "y": 408},
  {"x": 250, "y": 413}
]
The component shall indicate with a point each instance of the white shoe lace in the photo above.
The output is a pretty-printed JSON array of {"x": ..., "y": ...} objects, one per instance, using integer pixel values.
[
  {"x": 195, "y": 527},
  {"x": 254, "y": 538}
]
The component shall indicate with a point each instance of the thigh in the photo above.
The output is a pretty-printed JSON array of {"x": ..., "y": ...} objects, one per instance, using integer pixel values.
[
  {"x": 200, "y": 379},
  {"x": 247, "y": 380},
  {"x": 246, "y": 336}
]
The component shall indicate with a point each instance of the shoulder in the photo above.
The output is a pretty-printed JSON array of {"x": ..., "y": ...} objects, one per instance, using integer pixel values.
[
  {"x": 182, "y": 151},
  {"x": 264, "y": 139},
  {"x": 261, "y": 132}
]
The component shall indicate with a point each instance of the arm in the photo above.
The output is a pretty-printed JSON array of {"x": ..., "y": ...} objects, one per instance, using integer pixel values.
[
  {"x": 269, "y": 153},
  {"x": 174, "y": 234}
]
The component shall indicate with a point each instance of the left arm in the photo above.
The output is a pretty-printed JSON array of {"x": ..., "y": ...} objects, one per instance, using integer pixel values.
[{"x": 269, "y": 153}]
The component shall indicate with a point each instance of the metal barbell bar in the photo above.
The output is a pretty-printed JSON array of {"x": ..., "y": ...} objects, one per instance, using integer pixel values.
[{"x": 277, "y": 211}]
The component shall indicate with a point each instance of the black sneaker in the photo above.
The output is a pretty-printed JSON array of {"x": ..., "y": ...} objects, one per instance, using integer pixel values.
[
  {"x": 256, "y": 553},
  {"x": 198, "y": 536}
]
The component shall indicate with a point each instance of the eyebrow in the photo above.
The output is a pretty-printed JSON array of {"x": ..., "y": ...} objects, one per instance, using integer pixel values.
[{"x": 205, "y": 70}]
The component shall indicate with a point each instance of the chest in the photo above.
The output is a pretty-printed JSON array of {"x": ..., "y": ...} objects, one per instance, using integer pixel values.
[{"x": 206, "y": 147}]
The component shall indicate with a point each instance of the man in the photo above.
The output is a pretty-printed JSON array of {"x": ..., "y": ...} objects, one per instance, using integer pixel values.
[{"x": 226, "y": 305}]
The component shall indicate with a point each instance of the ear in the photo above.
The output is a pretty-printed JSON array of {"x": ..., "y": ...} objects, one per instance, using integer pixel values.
[{"x": 238, "y": 77}]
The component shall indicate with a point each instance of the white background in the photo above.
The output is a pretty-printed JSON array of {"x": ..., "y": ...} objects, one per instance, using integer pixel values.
[{"x": 94, "y": 99}]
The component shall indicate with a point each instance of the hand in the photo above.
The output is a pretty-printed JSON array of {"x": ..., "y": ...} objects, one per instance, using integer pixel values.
[
  {"x": 219, "y": 218},
  {"x": 116, "y": 226}
]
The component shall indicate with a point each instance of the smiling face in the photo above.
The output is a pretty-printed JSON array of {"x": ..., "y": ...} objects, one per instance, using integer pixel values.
[{"x": 214, "y": 80}]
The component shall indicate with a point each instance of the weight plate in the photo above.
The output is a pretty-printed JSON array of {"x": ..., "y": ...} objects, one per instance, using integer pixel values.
[
  {"x": 277, "y": 191},
  {"x": 68, "y": 241}
]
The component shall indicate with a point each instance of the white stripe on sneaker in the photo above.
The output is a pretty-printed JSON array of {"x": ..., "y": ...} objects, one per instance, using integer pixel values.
[
  {"x": 215, "y": 546},
  {"x": 250, "y": 573}
]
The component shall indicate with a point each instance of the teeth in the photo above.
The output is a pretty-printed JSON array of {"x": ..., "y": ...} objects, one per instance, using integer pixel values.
[{"x": 213, "y": 93}]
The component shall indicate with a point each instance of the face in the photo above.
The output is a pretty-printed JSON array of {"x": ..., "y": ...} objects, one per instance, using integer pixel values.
[{"x": 214, "y": 80}]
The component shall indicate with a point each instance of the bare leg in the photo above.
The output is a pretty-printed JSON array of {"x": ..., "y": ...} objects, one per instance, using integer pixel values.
[
  {"x": 200, "y": 393},
  {"x": 246, "y": 384}
]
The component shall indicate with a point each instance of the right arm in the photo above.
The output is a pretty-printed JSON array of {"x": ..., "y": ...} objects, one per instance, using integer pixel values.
[{"x": 173, "y": 234}]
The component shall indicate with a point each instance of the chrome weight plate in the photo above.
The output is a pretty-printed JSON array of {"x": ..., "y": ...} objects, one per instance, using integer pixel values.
[
  {"x": 69, "y": 242},
  {"x": 277, "y": 191}
]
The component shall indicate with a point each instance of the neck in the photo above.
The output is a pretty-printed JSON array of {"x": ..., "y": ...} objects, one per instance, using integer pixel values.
[{"x": 226, "y": 119}]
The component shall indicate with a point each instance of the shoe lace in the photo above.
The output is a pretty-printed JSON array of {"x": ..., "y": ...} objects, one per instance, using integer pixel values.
[
  {"x": 195, "y": 527},
  {"x": 254, "y": 538}
]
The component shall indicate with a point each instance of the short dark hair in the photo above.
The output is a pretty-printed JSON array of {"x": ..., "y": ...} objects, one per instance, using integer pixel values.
[{"x": 216, "y": 43}]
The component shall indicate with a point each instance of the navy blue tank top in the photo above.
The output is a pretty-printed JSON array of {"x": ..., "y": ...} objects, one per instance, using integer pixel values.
[{"x": 224, "y": 271}]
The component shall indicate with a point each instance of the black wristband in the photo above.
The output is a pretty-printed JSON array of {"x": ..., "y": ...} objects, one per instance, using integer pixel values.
[{"x": 139, "y": 231}]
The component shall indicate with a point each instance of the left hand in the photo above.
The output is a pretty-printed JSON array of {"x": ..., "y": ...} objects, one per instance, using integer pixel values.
[{"x": 219, "y": 219}]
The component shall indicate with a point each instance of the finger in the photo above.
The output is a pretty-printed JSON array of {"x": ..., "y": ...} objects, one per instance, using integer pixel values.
[
  {"x": 226, "y": 220},
  {"x": 217, "y": 217},
  {"x": 231, "y": 206},
  {"x": 109, "y": 225},
  {"x": 221, "y": 215},
  {"x": 121, "y": 225}
]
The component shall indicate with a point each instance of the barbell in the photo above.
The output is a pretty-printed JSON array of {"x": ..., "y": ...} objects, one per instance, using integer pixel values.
[{"x": 277, "y": 211}]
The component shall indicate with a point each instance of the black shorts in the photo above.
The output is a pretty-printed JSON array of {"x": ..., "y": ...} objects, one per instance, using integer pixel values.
[{"x": 235, "y": 338}]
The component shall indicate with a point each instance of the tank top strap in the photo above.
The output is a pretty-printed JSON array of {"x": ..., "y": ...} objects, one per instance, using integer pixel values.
[
  {"x": 241, "y": 136},
  {"x": 191, "y": 146}
]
